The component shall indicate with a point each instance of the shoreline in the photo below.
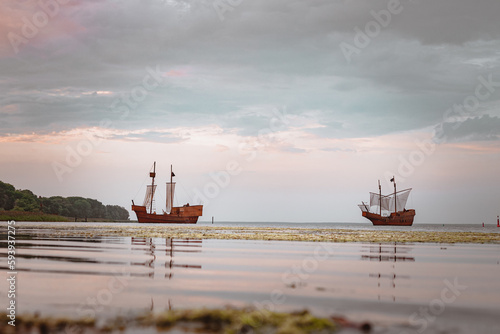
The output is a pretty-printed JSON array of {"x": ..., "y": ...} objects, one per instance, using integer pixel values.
[
  {"x": 265, "y": 233},
  {"x": 41, "y": 217}
]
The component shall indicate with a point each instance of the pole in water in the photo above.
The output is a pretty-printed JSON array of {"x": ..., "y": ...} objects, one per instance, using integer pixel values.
[{"x": 212, "y": 219}]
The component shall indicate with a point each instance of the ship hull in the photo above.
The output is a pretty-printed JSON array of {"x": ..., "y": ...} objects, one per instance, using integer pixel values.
[
  {"x": 179, "y": 215},
  {"x": 400, "y": 218}
]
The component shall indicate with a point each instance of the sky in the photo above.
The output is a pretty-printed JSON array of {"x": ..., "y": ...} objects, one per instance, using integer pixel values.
[{"x": 268, "y": 110}]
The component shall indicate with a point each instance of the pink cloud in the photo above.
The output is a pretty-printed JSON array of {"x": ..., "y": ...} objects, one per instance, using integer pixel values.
[
  {"x": 28, "y": 23},
  {"x": 175, "y": 73}
]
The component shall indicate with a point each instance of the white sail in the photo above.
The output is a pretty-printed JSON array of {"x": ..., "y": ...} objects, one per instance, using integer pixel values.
[
  {"x": 170, "y": 195},
  {"x": 364, "y": 207},
  {"x": 377, "y": 200},
  {"x": 388, "y": 203},
  {"x": 400, "y": 202},
  {"x": 150, "y": 192}
]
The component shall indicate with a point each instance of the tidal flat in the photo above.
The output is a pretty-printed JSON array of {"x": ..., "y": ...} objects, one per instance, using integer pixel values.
[{"x": 262, "y": 233}]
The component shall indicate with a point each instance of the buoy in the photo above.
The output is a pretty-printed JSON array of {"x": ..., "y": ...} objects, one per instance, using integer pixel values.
[
  {"x": 483, "y": 224},
  {"x": 498, "y": 222},
  {"x": 212, "y": 219}
]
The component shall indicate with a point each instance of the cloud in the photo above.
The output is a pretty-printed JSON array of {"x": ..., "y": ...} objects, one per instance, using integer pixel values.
[
  {"x": 148, "y": 136},
  {"x": 481, "y": 128},
  {"x": 264, "y": 55},
  {"x": 338, "y": 149},
  {"x": 98, "y": 134}
]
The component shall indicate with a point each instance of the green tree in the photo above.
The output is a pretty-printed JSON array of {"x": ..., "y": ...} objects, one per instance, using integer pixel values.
[
  {"x": 77, "y": 207},
  {"x": 26, "y": 201},
  {"x": 7, "y": 196},
  {"x": 116, "y": 212},
  {"x": 82, "y": 209},
  {"x": 97, "y": 209}
]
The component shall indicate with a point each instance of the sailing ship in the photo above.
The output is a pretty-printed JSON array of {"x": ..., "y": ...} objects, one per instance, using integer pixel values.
[
  {"x": 388, "y": 206},
  {"x": 186, "y": 214}
]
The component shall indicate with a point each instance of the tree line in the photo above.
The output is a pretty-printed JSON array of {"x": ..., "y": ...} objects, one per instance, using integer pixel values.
[{"x": 76, "y": 207}]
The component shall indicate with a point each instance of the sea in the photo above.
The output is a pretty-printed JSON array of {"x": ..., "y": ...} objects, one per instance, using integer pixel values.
[{"x": 398, "y": 288}]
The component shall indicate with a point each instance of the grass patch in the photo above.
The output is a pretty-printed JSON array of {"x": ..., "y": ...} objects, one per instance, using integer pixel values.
[
  {"x": 25, "y": 216},
  {"x": 228, "y": 321}
]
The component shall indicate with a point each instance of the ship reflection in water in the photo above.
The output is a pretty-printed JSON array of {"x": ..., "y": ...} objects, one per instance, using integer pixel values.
[
  {"x": 388, "y": 253},
  {"x": 162, "y": 254},
  {"x": 392, "y": 253},
  {"x": 77, "y": 276},
  {"x": 162, "y": 262}
]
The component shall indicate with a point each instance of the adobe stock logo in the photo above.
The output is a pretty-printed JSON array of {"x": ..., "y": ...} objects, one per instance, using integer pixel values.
[
  {"x": 223, "y": 6},
  {"x": 428, "y": 315},
  {"x": 463, "y": 111},
  {"x": 362, "y": 39},
  {"x": 121, "y": 106},
  {"x": 31, "y": 26}
]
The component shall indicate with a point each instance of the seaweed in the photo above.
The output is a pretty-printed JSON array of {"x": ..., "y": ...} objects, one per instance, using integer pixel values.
[{"x": 227, "y": 320}]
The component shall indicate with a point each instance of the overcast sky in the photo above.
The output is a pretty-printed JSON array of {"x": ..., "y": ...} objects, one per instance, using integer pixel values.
[{"x": 307, "y": 103}]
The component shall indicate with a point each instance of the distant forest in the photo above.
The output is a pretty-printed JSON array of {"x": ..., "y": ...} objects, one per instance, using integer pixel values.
[{"x": 74, "y": 207}]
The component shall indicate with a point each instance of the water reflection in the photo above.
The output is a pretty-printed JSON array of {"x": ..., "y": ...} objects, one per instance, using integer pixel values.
[
  {"x": 59, "y": 275},
  {"x": 387, "y": 282},
  {"x": 161, "y": 252},
  {"x": 161, "y": 262},
  {"x": 384, "y": 252},
  {"x": 104, "y": 256}
]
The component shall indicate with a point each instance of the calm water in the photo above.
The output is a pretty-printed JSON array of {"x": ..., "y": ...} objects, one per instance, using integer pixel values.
[
  {"x": 488, "y": 228},
  {"x": 391, "y": 285}
]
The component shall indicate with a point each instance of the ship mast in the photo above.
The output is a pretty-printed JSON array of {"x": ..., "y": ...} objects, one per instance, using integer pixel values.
[
  {"x": 379, "y": 198},
  {"x": 395, "y": 201},
  {"x": 152, "y": 175},
  {"x": 171, "y": 189}
]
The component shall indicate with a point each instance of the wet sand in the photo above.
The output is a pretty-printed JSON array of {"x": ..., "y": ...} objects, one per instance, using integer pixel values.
[{"x": 77, "y": 272}]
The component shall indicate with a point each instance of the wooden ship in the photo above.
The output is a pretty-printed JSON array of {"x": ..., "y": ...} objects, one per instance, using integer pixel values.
[
  {"x": 186, "y": 214},
  {"x": 387, "y": 207}
]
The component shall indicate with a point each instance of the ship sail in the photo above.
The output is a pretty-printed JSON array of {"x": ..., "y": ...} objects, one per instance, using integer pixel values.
[
  {"x": 170, "y": 196},
  {"x": 364, "y": 207},
  {"x": 378, "y": 200},
  {"x": 401, "y": 199},
  {"x": 387, "y": 202},
  {"x": 150, "y": 192}
]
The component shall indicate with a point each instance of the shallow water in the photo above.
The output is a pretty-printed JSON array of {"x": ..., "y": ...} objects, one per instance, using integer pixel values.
[
  {"x": 389, "y": 285},
  {"x": 488, "y": 228}
]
